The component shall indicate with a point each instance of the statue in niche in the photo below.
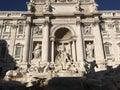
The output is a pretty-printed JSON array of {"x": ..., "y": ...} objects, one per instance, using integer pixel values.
[
  {"x": 88, "y": 30},
  {"x": 89, "y": 50},
  {"x": 37, "y": 55},
  {"x": 37, "y": 51}
]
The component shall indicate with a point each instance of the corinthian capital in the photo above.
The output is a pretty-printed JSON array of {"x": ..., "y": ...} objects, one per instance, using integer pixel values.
[
  {"x": 77, "y": 20},
  {"x": 28, "y": 21}
]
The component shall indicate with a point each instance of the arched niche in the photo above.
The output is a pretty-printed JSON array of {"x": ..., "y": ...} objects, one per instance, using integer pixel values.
[
  {"x": 62, "y": 38},
  {"x": 61, "y": 28},
  {"x": 63, "y": 34}
]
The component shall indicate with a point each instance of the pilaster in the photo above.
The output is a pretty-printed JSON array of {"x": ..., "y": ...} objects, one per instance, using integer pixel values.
[
  {"x": 1, "y": 28},
  {"x": 45, "y": 42},
  {"x": 99, "y": 53},
  {"x": 79, "y": 44},
  {"x": 27, "y": 40},
  {"x": 12, "y": 39}
]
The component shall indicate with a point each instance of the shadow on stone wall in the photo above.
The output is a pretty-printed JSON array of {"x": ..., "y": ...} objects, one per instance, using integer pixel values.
[{"x": 6, "y": 60}]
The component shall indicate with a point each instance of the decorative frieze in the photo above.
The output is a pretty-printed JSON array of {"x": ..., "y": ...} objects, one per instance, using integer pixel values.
[{"x": 115, "y": 14}]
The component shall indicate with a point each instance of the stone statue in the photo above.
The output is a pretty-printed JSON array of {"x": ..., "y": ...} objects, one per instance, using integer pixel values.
[
  {"x": 37, "y": 51},
  {"x": 47, "y": 5},
  {"x": 63, "y": 57},
  {"x": 89, "y": 50},
  {"x": 78, "y": 6},
  {"x": 35, "y": 63},
  {"x": 92, "y": 65},
  {"x": 46, "y": 67},
  {"x": 72, "y": 67},
  {"x": 32, "y": 0},
  {"x": 13, "y": 74}
]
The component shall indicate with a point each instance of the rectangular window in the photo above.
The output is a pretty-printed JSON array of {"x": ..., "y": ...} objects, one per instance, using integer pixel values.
[
  {"x": 7, "y": 29},
  {"x": 103, "y": 27},
  {"x": 20, "y": 29},
  {"x": 107, "y": 50},
  {"x": 117, "y": 28},
  {"x": 18, "y": 51}
]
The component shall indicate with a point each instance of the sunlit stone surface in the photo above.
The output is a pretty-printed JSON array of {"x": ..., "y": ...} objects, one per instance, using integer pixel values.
[{"x": 57, "y": 39}]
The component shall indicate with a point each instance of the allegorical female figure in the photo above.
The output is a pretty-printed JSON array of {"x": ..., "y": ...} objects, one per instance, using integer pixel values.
[
  {"x": 89, "y": 50},
  {"x": 37, "y": 51}
]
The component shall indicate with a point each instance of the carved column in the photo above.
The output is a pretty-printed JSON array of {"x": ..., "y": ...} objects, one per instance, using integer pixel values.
[
  {"x": 45, "y": 42},
  {"x": 74, "y": 49},
  {"x": 27, "y": 40},
  {"x": 52, "y": 49},
  {"x": 79, "y": 44}
]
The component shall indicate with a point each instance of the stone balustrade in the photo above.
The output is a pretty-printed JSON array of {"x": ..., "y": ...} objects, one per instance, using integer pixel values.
[
  {"x": 12, "y": 13},
  {"x": 110, "y": 13}
]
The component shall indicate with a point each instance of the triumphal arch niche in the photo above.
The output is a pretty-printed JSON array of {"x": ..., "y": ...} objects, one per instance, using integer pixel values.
[
  {"x": 57, "y": 36},
  {"x": 63, "y": 46},
  {"x": 63, "y": 40}
]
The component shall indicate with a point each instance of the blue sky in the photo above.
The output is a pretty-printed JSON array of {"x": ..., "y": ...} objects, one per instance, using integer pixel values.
[{"x": 20, "y": 5}]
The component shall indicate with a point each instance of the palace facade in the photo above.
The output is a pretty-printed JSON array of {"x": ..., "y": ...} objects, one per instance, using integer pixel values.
[{"x": 60, "y": 32}]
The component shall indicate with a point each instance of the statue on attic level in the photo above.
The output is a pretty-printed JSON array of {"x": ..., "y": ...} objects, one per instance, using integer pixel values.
[{"x": 47, "y": 5}]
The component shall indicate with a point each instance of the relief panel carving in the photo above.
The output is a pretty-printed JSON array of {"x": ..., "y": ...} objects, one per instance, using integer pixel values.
[{"x": 37, "y": 30}]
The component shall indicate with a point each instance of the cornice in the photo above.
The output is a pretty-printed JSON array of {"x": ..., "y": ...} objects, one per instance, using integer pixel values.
[{"x": 111, "y": 11}]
